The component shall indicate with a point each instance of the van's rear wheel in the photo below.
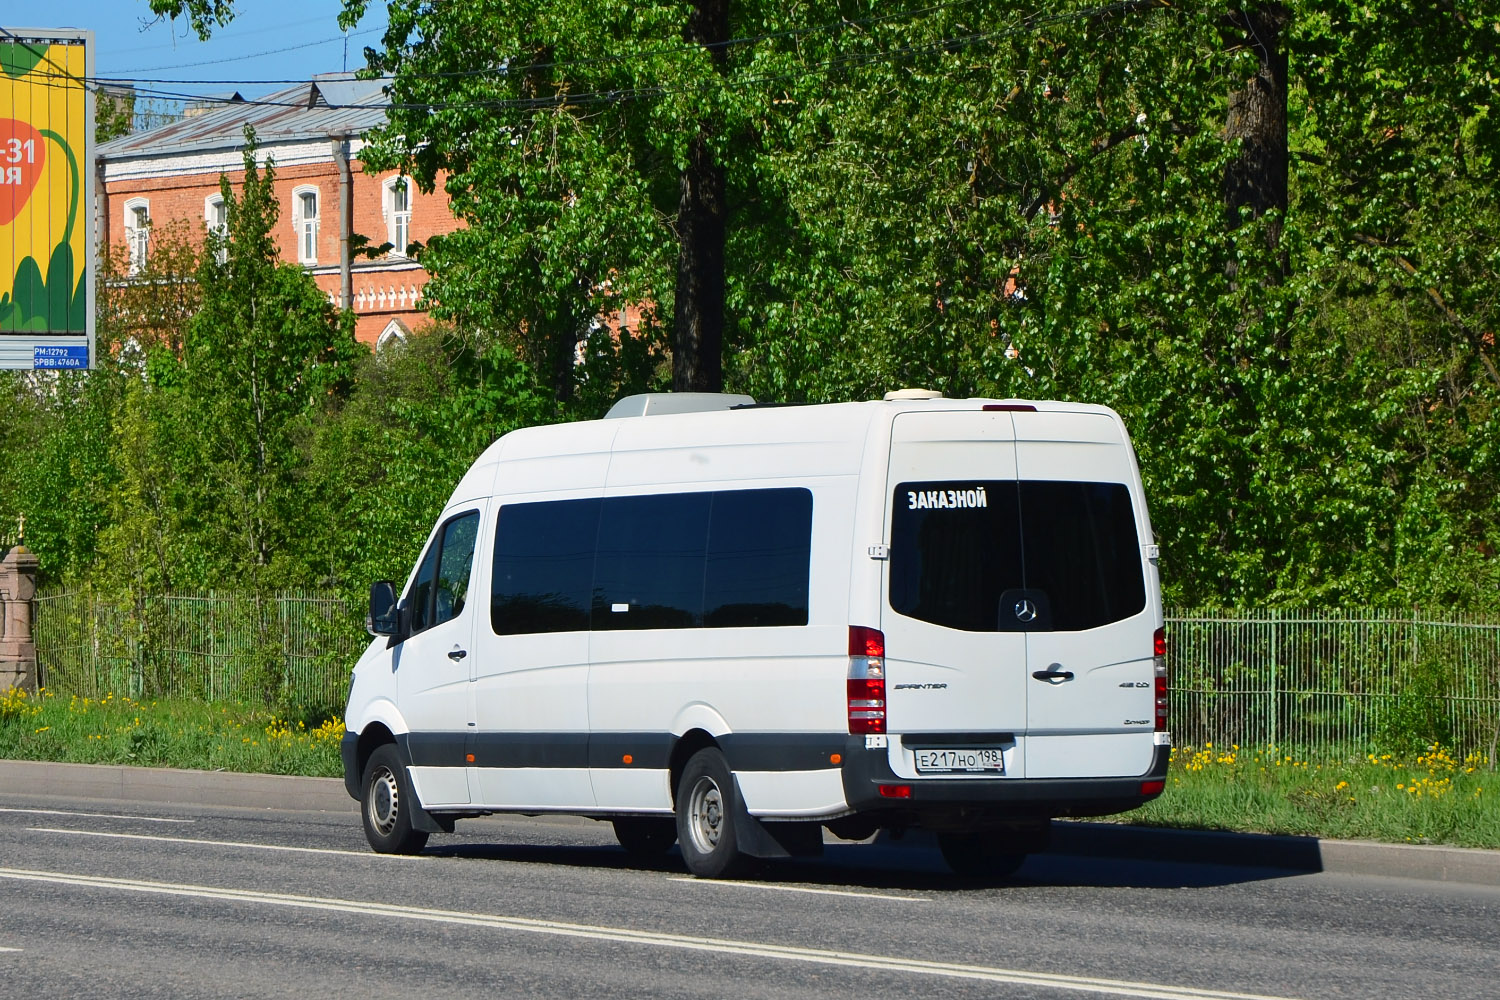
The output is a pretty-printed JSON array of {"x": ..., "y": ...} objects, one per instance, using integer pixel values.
[
  {"x": 645, "y": 837},
  {"x": 386, "y": 804},
  {"x": 979, "y": 855},
  {"x": 707, "y": 800}
]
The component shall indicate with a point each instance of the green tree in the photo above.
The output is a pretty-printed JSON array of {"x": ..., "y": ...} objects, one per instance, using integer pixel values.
[
  {"x": 55, "y": 453},
  {"x": 377, "y": 471},
  {"x": 1263, "y": 231},
  {"x": 114, "y": 114},
  {"x": 265, "y": 349}
]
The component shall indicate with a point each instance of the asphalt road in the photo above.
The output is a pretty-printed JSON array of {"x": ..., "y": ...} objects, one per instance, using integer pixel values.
[{"x": 121, "y": 899}]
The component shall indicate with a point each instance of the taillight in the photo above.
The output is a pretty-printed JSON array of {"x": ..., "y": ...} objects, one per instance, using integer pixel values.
[
  {"x": 866, "y": 683},
  {"x": 1159, "y": 664}
]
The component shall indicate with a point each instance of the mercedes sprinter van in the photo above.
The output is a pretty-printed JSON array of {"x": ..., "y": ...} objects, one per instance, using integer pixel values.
[{"x": 730, "y": 626}]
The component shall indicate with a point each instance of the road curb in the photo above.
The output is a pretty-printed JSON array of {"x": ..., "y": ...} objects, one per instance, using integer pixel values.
[{"x": 170, "y": 786}]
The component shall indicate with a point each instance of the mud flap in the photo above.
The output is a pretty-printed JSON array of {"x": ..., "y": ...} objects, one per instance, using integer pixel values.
[
  {"x": 425, "y": 821},
  {"x": 421, "y": 819},
  {"x": 774, "y": 839}
]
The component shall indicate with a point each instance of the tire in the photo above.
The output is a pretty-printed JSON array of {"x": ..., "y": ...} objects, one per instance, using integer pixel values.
[
  {"x": 386, "y": 803},
  {"x": 979, "y": 855},
  {"x": 707, "y": 800},
  {"x": 644, "y": 836}
]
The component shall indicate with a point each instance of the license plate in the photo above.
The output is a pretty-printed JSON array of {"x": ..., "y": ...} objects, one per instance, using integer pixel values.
[{"x": 958, "y": 760}]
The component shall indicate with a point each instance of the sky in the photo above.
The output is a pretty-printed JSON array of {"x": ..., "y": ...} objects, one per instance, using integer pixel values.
[{"x": 269, "y": 40}]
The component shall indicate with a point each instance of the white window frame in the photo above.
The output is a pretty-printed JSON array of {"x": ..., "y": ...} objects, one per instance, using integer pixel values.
[
  {"x": 306, "y": 228},
  {"x": 397, "y": 224},
  {"x": 137, "y": 236},
  {"x": 212, "y": 206},
  {"x": 394, "y": 335}
]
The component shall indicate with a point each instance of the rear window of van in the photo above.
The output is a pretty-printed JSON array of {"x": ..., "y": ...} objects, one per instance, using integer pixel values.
[{"x": 967, "y": 554}]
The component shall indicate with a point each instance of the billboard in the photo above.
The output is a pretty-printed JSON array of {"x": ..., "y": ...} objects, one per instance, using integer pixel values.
[{"x": 47, "y": 250}]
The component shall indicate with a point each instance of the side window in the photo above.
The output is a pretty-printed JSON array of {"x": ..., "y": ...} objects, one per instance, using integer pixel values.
[
  {"x": 442, "y": 585},
  {"x": 759, "y": 550},
  {"x": 543, "y": 567},
  {"x": 649, "y": 572},
  {"x": 735, "y": 558}
]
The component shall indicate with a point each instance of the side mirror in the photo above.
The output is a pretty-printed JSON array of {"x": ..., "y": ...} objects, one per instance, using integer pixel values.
[{"x": 384, "y": 618}]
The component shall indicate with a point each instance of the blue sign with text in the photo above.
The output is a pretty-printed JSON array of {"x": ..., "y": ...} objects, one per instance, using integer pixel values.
[{"x": 66, "y": 356}]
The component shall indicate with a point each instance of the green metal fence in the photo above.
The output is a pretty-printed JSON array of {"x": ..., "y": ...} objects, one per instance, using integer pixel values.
[
  {"x": 1334, "y": 678},
  {"x": 1321, "y": 680},
  {"x": 290, "y": 647}
]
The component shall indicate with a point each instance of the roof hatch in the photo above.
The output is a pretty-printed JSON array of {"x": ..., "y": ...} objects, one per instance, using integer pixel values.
[{"x": 647, "y": 404}]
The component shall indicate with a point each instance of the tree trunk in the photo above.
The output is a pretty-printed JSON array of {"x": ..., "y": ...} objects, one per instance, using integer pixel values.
[
  {"x": 698, "y": 327},
  {"x": 563, "y": 348},
  {"x": 1257, "y": 178}
]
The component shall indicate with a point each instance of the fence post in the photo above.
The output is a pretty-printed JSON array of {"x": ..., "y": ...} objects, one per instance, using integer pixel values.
[
  {"x": 1275, "y": 695},
  {"x": 1414, "y": 643},
  {"x": 18, "y": 571}
]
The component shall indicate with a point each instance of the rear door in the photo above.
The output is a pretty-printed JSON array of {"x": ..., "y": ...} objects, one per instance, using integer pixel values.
[
  {"x": 1088, "y": 651},
  {"x": 955, "y": 665}
]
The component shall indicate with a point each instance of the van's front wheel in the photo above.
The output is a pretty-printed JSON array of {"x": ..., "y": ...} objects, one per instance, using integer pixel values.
[
  {"x": 707, "y": 800},
  {"x": 386, "y": 804}
]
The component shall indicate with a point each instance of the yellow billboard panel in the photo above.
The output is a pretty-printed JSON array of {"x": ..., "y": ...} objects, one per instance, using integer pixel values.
[{"x": 47, "y": 248}]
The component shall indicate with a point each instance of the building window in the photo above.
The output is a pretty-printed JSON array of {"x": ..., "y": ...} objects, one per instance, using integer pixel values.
[
  {"x": 138, "y": 233},
  {"x": 397, "y": 209},
  {"x": 216, "y": 217},
  {"x": 394, "y": 335},
  {"x": 305, "y": 219}
]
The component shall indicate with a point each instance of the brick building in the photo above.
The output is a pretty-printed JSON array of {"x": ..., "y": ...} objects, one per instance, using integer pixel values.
[{"x": 312, "y": 132}]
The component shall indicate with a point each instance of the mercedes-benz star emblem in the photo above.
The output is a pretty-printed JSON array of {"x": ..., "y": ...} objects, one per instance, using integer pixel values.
[{"x": 1025, "y": 611}]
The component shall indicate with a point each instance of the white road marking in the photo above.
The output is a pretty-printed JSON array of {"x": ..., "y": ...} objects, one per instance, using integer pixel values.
[
  {"x": 64, "y": 812},
  {"x": 795, "y": 888},
  {"x": 10, "y": 949},
  {"x": 221, "y": 843},
  {"x": 623, "y": 935}
]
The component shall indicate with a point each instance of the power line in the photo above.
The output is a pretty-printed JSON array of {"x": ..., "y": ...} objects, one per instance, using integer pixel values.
[
  {"x": 254, "y": 55},
  {"x": 622, "y": 95},
  {"x": 231, "y": 33},
  {"x": 686, "y": 47}
]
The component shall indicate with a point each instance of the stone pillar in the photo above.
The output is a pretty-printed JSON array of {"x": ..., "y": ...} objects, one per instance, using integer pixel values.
[{"x": 17, "y": 646}]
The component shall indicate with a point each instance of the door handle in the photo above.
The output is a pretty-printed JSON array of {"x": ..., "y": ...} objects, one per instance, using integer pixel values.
[
  {"x": 1053, "y": 674},
  {"x": 459, "y": 654}
]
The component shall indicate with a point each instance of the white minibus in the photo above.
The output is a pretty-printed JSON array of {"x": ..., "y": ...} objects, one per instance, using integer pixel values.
[{"x": 731, "y": 626}]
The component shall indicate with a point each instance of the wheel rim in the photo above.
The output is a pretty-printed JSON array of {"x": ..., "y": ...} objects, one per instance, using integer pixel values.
[
  {"x": 384, "y": 802},
  {"x": 705, "y": 815}
]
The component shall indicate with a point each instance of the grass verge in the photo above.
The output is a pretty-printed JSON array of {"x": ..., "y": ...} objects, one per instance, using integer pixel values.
[
  {"x": 1428, "y": 798},
  {"x": 167, "y": 733}
]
